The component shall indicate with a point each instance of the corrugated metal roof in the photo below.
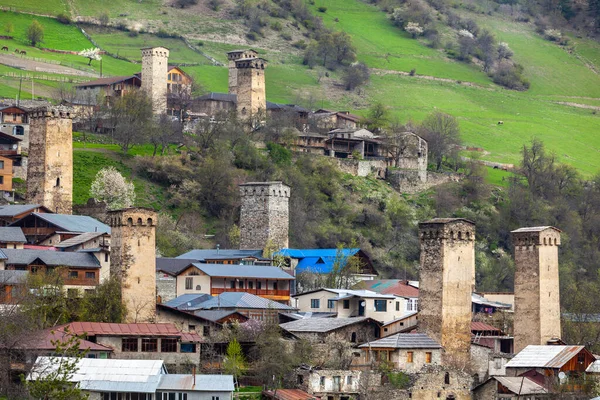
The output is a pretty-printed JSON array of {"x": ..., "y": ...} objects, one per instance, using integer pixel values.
[
  {"x": 139, "y": 329},
  {"x": 348, "y": 293},
  {"x": 480, "y": 326},
  {"x": 390, "y": 286},
  {"x": 594, "y": 367},
  {"x": 321, "y": 325},
  {"x": 539, "y": 356},
  {"x": 309, "y": 314},
  {"x": 46, "y": 340},
  {"x": 317, "y": 260},
  {"x": 79, "y": 239},
  {"x": 107, "y": 375},
  {"x": 242, "y": 300},
  {"x": 204, "y": 383},
  {"x": 210, "y": 254},
  {"x": 12, "y": 234},
  {"x": 404, "y": 316},
  {"x": 51, "y": 258},
  {"x": 404, "y": 341},
  {"x": 187, "y": 301},
  {"x": 231, "y": 98},
  {"x": 520, "y": 385},
  {"x": 108, "y": 81},
  {"x": 477, "y": 299},
  {"x": 11, "y": 210},
  {"x": 243, "y": 271},
  {"x": 289, "y": 394},
  {"x": 216, "y": 315},
  {"x": 71, "y": 223},
  {"x": 173, "y": 266}
]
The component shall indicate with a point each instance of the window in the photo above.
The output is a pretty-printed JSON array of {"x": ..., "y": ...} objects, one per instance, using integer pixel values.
[
  {"x": 105, "y": 257},
  {"x": 215, "y": 398},
  {"x": 73, "y": 274},
  {"x": 189, "y": 283},
  {"x": 149, "y": 345},
  {"x": 192, "y": 328},
  {"x": 187, "y": 348},
  {"x": 330, "y": 303},
  {"x": 274, "y": 285},
  {"x": 353, "y": 337},
  {"x": 349, "y": 380},
  {"x": 299, "y": 379},
  {"x": 346, "y": 304},
  {"x": 57, "y": 182},
  {"x": 168, "y": 345},
  {"x": 322, "y": 381},
  {"x": 206, "y": 330},
  {"x": 428, "y": 357},
  {"x": 447, "y": 378},
  {"x": 1, "y": 164},
  {"x": 129, "y": 345},
  {"x": 241, "y": 284},
  {"x": 90, "y": 275},
  {"x": 232, "y": 284},
  {"x": 397, "y": 306},
  {"x": 315, "y": 303},
  {"x": 250, "y": 285},
  {"x": 409, "y": 356},
  {"x": 259, "y": 285},
  {"x": 380, "y": 305}
]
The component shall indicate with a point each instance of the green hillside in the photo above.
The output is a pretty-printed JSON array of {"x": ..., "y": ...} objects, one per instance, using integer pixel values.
[{"x": 557, "y": 74}]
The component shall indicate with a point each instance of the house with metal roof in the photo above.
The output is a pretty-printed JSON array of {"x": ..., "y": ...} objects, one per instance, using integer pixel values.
[
  {"x": 50, "y": 229},
  {"x": 408, "y": 352},
  {"x": 11, "y": 237},
  {"x": 176, "y": 277},
  {"x": 511, "y": 387},
  {"x": 352, "y": 303},
  {"x": 137, "y": 379},
  {"x": 319, "y": 330},
  {"x": 10, "y": 213},
  {"x": 227, "y": 256},
  {"x": 397, "y": 287},
  {"x": 12, "y": 286}
]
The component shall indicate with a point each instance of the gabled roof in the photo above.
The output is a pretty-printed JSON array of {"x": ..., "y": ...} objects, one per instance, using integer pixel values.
[
  {"x": 322, "y": 325},
  {"x": 231, "y": 98},
  {"x": 243, "y": 271},
  {"x": 397, "y": 287},
  {"x": 12, "y": 234},
  {"x": 319, "y": 261},
  {"x": 540, "y": 356},
  {"x": 217, "y": 315},
  {"x": 241, "y": 300},
  {"x": 3, "y": 109},
  {"x": 51, "y": 258},
  {"x": 349, "y": 293},
  {"x": 46, "y": 340},
  {"x": 201, "y": 255},
  {"x": 477, "y": 299},
  {"x": 9, "y": 138},
  {"x": 286, "y": 107},
  {"x": 198, "y": 383},
  {"x": 108, "y": 81},
  {"x": 442, "y": 221},
  {"x": 404, "y": 341},
  {"x": 107, "y": 375},
  {"x": 483, "y": 327},
  {"x": 173, "y": 266},
  {"x": 535, "y": 229},
  {"x": 401, "y": 318},
  {"x": 70, "y": 223},
  {"x": 520, "y": 385},
  {"x": 138, "y": 329},
  {"x": 79, "y": 239},
  {"x": 11, "y": 210},
  {"x": 187, "y": 301}
]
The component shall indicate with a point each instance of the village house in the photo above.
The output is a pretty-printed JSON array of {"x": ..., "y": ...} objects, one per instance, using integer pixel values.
[
  {"x": 13, "y": 121},
  {"x": 226, "y": 256},
  {"x": 510, "y": 387},
  {"x": 320, "y": 330},
  {"x": 397, "y": 287},
  {"x": 47, "y": 229},
  {"x": 105, "y": 90},
  {"x": 354, "y": 143},
  {"x": 194, "y": 278},
  {"x": 114, "y": 379},
  {"x": 11, "y": 237},
  {"x": 406, "y": 351},
  {"x": 10, "y": 213},
  {"x": 405, "y": 323},
  {"x": 352, "y": 303},
  {"x": 327, "y": 120},
  {"x": 12, "y": 286},
  {"x": 143, "y": 341},
  {"x": 13, "y": 163}
]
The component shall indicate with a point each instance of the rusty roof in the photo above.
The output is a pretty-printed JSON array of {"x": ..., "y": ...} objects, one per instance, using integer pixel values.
[
  {"x": 289, "y": 394},
  {"x": 548, "y": 356},
  {"x": 139, "y": 329},
  {"x": 480, "y": 326},
  {"x": 46, "y": 340}
]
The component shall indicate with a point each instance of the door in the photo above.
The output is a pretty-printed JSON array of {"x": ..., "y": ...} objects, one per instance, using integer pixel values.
[{"x": 361, "y": 308}]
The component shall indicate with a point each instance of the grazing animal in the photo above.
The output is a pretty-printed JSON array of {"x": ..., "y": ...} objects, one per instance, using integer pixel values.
[
  {"x": 5, "y": 48},
  {"x": 23, "y": 53},
  {"x": 16, "y": 50},
  {"x": 500, "y": 122}
]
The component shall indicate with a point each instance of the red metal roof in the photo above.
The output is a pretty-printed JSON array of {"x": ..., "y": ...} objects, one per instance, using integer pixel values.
[
  {"x": 140, "y": 329},
  {"x": 289, "y": 394},
  {"x": 480, "y": 326},
  {"x": 46, "y": 340},
  {"x": 391, "y": 286}
]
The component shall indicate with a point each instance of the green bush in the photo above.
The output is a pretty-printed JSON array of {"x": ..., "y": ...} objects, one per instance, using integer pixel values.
[
  {"x": 279, "y": 154},
  {"x": 300, "y": 44},
  {"x": 322, "y": 9},
  {"x": 276, "y": 26},
  {"x": 63, "y": 18},
  {"x": 286, "y": 36}
]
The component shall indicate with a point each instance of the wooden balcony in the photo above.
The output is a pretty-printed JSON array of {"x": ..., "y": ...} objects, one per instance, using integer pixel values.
[
  {"x": 4, "y": 152},
  {"x": 257, "y": 292}
]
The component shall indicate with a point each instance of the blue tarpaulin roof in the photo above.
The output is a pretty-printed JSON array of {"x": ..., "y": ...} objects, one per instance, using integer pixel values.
[{"x": 316, "y": 260}]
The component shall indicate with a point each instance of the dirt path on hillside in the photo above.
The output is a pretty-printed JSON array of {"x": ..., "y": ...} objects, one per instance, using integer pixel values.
[
  {"x": 587, "y": 106},
  {"x": 38, "y": 66},
  {"x": 377, "y": 71}
]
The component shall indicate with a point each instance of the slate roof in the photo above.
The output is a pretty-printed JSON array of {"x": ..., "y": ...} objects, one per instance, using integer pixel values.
[
  {"x": 289, "y": 394},
  {"x": 397, "y": 287},
  {"x": 72, "y": 223},
  {"x": 214, "y": 254},
  {"x": 319, "y": 261},
  {"x": 520, "y": 385},
  {"x": 11, "y": 210},
  {"x": 540, "y": 356},
  {"x": 187, "y": 301},
  {"x": 241, "y": 300},
  {"x": 108, "y": 375},
  {"x": 243, "y": 271},
  {"x": 232, "y": 98},
  {"x": 79, "y": 239},
  {"x": 404, "y": 341},
  {"x": 9, "y": 277},
  {"x": 535, "y": 229},
  {"x": 107, "y": 81},
  {"x": 173, "y": 266},
  {"x": 51, "y": 258},
  {"x": 215, "y": 315},
  {"x": 12, "y": 234},
  {"x": 321, "y": 325},
  {"x": 203, "y": 383}
]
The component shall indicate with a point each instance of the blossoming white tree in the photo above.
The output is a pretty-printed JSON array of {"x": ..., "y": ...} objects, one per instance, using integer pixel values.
[
  {"x": 92, "y": 54},
  {"x": 414, "y": 29},
  {"x": 111, "y": 187}
]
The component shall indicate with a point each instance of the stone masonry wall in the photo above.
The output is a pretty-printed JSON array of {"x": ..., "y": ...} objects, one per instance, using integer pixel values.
[
  {"x": 264, "y": 215},
  {"x": 537, "y": 297},
  {"x": 155, "y": 63},
  {"x": 133, "y": 260},
  {"x": 251, "y": 92},
  {"x": 233, "y": 56},
  {"x": 447, "y": 281},
  {"x": 50, "y": 162}
]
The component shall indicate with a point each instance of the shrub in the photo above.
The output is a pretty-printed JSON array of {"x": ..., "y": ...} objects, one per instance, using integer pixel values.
[
  {"x": 553, "y": 35},
  {"x": 276, "y": 26},
  {"x": 162, "y": 33},
  {"x": 356, "y": 75},
  {"x": 412, "y": 72},
  {"x": 200, "y": 43},
  {"x": 414, "y": 29},
  {"x": 510, "y": 76},
  {"x": 104, "y": 19},
  {"x": 286, "y": 36},
  {"x": 63, "y": 18},
  {"x": 186, "y": 3},
  {"x": 252, "y": 36},
  {"x": 279, "y": 154},
  {"x": 133, "y": 33},
  {"x": 300, "y": 44},
  {"x": 215, "y": 4},
  {"x": 322, "y": 9}
]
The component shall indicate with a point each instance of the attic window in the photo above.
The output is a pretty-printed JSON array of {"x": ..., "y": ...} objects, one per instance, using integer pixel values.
[{"x": 320, "y": 261}]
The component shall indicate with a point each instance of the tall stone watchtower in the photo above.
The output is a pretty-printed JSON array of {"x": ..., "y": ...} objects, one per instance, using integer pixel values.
[
  {"x": 265, "y": 215},
  {"x": 155, "y": 66},
  {"x": 251, "y": 93},
  {"x": 50, "y": 162},
  {"x": 133, "y": 260},
  {"x": 233, "y": 56},
  {"x": 537, "y": 294},
  {"x": 447, "y": 280}
]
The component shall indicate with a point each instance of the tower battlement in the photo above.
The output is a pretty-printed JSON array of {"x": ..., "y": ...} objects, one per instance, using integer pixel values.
[{"x": 155, "y": 66}]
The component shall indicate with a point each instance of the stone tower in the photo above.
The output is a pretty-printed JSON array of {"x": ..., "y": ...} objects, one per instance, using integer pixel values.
[
  {"x": 447, "y": 280},
  {"x": 250, "y": 90},
  {"x": 537, "y": 300},
  {"x": 133, "y": 260},
  {"x": 155, "y": 65},
  {"x": 50, "y": 161},
  {"x": 264, "y": 215},
  {"x": 233, "y": 56}
]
